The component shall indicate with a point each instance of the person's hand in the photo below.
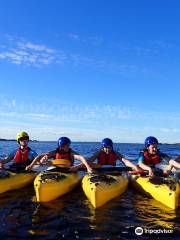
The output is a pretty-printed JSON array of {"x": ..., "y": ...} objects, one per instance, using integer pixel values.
[
  {"x": 151, "y": 174},
  {"x": 44, "y": 159},
  {"x": 29, "y": 168},
  {"x": 166, "y": 172},
  {"x": 90, "y": 171},
  {"x": 1, "y": 165}
]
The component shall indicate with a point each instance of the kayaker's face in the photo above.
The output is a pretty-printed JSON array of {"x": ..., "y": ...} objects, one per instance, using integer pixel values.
[
  {"x": 153, "y": 148},
  {"x": 65, "y": 148},
  {"x": 107, "y": 150},
  {"x": 23, "y": 141}
]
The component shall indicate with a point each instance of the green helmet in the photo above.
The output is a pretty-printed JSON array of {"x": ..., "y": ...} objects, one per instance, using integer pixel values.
[{"x": 21, "y": 135}]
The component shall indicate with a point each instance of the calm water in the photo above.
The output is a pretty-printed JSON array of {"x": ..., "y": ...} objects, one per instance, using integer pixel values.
[{"x": 72, "y": 217}]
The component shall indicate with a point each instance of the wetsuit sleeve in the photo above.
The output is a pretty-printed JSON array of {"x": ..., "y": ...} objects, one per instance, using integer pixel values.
[
  {"x": 32, "y": 154},
  {"x": 141, "y": 157}
]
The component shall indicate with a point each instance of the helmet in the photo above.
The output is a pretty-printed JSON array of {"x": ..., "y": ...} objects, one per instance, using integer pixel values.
[
  {"x": 22, "y": 135},
  {"x": 150, "y": 140},
  {"x": 62, "y": 141},
  {"x": 107, "y": 142}
]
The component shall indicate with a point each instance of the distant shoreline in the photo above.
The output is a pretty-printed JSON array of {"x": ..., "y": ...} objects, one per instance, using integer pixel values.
[{"x": 14, "y": 140}]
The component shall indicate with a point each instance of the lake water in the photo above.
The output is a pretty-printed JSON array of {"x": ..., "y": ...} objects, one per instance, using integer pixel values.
[{"x": 73, "y": 217}]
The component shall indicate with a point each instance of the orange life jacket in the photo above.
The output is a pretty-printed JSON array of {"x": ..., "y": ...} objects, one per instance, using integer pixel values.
[
  {"x": 151, "y": 159},
  {"x": 107, "y": 159},
  {"x": 64, "y": 155},
  {"x": 22, "y": 156}
]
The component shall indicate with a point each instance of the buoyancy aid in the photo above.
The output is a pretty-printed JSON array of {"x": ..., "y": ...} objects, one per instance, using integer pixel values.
[
  {"x": 151, "y": 159},
  {"x": 64, "y": 155},
  {"x": 107, "y": 159},
  {"x": 21, "y": 157}
]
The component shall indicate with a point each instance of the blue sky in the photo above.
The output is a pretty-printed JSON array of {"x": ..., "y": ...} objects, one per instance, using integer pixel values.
[{"x": 90, "y": 69}]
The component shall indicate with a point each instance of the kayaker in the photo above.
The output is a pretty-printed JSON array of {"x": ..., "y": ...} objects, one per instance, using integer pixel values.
[
  {"x": 151, "y": 158},
  {"x": 107, "y": 156},
  {"x": 63, "y": 151},
  {"x": 21, "y": 157}
]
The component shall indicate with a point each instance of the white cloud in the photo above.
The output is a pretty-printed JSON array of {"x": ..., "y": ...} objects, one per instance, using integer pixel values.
[
  {"x": 76, "y": 113},
  {"x": 23, "y": 52},
  {"x": 35, "y": 47},
  {"x": 74, "y": 36},
  {"x": 92, "y": 39},
  {"x": 169, "y": 130},
  {"x": 162, "y": 44},
  {"x": 150, "y": 48}
]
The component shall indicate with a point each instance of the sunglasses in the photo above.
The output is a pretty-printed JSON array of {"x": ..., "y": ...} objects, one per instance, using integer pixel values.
[{"x": 23, "y": 138}]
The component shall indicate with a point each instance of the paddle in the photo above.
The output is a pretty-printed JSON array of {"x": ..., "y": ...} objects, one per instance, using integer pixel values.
[{"x": 97, "y": 170}]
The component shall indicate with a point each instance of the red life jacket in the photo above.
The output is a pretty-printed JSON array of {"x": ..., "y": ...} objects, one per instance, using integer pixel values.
[
  {"x": 107, "y": 159},
  {"x": 64, "y": 155},
  {"x": 150, "y": 159},
  {"x": 22, "y": 156}
]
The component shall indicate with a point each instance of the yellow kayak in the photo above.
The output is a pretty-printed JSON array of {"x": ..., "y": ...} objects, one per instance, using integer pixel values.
[
  {"x": 11, "y": 181},
  {"x": 51, "y": 185},
  {"x": 100, "y": 189},
  {"x": 164, "y": 190}
]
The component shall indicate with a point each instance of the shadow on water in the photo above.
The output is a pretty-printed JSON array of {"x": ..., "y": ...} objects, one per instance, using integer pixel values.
[
  {"x": 15, "y": 212},
  {"x": 62, "y": 218},
  {"x": 73, "y": 217}
]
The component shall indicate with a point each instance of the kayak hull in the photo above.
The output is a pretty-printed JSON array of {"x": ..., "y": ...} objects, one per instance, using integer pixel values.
[
  {"x": 51, "y": 185},
  {"x": 99, "y": 190},
  {"x": 164, "y": 190},
  {"x": 15, "y": 181}
]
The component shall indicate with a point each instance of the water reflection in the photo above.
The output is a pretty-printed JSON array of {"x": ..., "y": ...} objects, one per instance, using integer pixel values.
[{"x": 153, "y": 213}]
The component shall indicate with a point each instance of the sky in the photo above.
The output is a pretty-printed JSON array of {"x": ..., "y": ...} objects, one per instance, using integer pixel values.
[{"x": 90, "y": 69}]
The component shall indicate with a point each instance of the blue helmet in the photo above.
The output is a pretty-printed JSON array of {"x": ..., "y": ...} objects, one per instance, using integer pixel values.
[
  {"x": 150, "y": 140},
  {"x": 62, "y": 141},
  {"x": 107, "y": 142}
]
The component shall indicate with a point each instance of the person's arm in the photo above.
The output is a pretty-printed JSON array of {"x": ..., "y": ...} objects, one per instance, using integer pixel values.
[
  {"x": 7, "y": 158},
  {"x": 41, "y": 157},
  {"x": 93, "y": 157},
  {"x": 147, "y": 168},
  {"x": 173, "y": 163},
  {"x": 127, "y": 162},
  {"x": 89, "y": 161},
  {"x": 83, "y": 160},
  {"x": 170, "y": 162},
  {"x": 143, "y": 166}
]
